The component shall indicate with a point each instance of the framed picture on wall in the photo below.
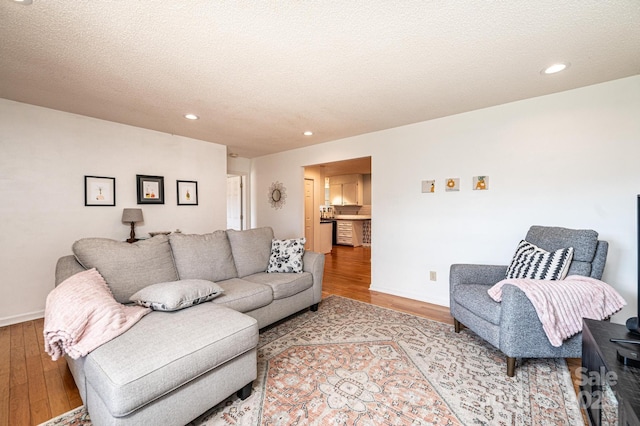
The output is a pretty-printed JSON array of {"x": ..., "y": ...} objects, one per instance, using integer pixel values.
[
  {"x": 187, "y": 192},
  {"x": 99, "y": 191},
  {"x": 150, "y": 189}
]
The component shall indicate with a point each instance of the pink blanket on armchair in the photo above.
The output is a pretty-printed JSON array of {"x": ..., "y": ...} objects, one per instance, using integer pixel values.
[
  {"x": 81, "y": 314},
  {"x": 562, "y": 304}
]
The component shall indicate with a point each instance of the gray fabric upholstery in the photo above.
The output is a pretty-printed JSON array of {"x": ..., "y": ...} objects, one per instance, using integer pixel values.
[
  {"x": 513, "y": 325},
  {"x": 243, "y": 296},
  {"x": 283, "y": 284},
  {"x": 165, "y": 344},
  {"x": 251, "y": 249},
  {"x": 125, "y": 386},
  {"x": 205, "y": 257},
  {"x": 185, "y": 403},
  {"x": 126, "y": 267},
  {"x": 475, "y": 298}
]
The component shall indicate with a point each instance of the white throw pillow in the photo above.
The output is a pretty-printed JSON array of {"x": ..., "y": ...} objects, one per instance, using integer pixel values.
[
  {"x": 286, "y": 255},
  {"x": 530, "y": 261},
  {"x": 176, "y": 295}
]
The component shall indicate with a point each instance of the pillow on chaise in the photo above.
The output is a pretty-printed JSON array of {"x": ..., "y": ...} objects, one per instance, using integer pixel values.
[
  {"x": 530, "y": 261},
  {"x": 176, "y": 295}
]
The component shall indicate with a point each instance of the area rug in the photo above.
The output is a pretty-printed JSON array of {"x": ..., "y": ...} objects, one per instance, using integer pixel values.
[{"x": 352, "y": 363}]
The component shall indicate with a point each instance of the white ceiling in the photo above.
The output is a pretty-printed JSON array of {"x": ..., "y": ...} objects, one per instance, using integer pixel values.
[{"x": 260, "y": 73}]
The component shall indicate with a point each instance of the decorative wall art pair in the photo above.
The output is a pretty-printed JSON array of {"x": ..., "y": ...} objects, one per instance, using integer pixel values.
[
  {"x": 101, "y": 191},
  {"x": 479, "y": 183}
]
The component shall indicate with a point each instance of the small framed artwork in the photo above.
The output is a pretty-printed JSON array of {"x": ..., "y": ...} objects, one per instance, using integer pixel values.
[
  {"x": 452, "y": 184},
  {"x": 150, "y": 189},
  {"x": 187, "y": 193},
  {"x": 480, "y": 183},
  {"x": 99, "y": 191},
  {"x": 429, "y": 186}
]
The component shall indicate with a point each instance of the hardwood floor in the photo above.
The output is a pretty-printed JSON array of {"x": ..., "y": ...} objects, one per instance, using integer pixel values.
[{"x": 34, "y": 389}]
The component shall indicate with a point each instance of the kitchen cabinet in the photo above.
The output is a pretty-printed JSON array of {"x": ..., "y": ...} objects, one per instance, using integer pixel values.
[
  {"x": 349, "y": 233},
  {"x": 326, "y": 237},
  {"x": 346, "y": 190}
]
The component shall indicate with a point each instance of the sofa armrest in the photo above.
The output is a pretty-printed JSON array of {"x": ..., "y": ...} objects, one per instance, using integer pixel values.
[
  {"x": 66, "y": 267},
  {"x": 476, "y": 274},
  {"x": 314, "y": 263}
]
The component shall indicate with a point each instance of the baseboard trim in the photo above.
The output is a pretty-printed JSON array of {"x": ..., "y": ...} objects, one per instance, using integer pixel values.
[
  {"x": 16, "y": 319},
  {"x": 409, "y": 295}
]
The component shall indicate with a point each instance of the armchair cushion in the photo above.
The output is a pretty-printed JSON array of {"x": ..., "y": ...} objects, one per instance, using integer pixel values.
[
  {"x": 530, "y": 261},
  {"x": 475, "y": 297}
]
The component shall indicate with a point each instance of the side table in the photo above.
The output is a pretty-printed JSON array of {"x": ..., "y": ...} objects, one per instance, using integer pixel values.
[{"x": 601, "y": 369}]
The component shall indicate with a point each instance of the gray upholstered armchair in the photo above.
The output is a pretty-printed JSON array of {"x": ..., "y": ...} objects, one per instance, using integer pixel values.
[{"x": 513, "y": 325}]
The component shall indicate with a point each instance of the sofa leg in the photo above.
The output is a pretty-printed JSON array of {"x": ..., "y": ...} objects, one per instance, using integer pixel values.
[
  {"x": 314, "y": 307},
  {"x": 457, "y": 325},
  {"x": 245, "y": 392},
  {"x": 511, "y": 366}
]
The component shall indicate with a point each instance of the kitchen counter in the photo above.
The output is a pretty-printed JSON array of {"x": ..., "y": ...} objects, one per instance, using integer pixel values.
[{"x": 352, "y": 217}]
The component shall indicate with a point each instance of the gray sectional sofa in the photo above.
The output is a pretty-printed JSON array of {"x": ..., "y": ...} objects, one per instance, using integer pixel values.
[{"x": 170, "y": 367}]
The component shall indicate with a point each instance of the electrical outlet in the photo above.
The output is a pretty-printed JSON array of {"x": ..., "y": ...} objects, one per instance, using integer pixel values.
[
  {"x": 426, "y": 186},
  {"x": 432, "y": 276}
]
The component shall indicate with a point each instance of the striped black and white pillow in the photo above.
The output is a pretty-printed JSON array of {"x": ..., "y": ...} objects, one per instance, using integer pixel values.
[{"x": 530, "y": 261}]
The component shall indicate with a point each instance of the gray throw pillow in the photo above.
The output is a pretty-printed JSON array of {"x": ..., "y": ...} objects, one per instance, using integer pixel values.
[
  {"x": 205, "y": 257},
  {"x": 126, "y": 267},
  {"x": 176, "y": 295}
]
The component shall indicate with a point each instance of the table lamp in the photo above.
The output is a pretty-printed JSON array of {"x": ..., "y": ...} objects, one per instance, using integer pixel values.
[{"x": 132, "y": 216}]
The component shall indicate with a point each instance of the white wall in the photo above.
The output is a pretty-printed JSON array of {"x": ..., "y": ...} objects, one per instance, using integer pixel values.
[
  {"x": 44, "y": 156},
  {"x": 570, "y": 159}
]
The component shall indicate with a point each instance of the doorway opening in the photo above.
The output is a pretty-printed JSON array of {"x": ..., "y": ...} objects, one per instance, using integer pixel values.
[
  {"x": 350, "y": 213},
  {"x": 236, "y": 202}
]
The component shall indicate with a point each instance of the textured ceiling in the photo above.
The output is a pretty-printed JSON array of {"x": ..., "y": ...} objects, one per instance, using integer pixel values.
[{"x": 260, "y": 73}]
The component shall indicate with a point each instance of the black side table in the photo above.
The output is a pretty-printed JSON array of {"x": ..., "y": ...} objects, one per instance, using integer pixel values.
[{"x": 601, "y": 368}]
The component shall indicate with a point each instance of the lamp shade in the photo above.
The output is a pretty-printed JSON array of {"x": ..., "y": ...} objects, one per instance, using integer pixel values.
[{"x": 132, "y": 215}]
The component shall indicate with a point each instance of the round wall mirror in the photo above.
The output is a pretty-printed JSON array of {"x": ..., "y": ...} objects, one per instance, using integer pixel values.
[{"x": 277, "y": 195}]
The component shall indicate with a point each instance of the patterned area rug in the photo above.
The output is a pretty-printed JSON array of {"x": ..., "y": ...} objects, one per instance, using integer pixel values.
[{"x": 354, "y": 363}]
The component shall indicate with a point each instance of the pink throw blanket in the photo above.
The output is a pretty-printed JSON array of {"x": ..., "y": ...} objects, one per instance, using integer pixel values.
[
  {"x": 81, "y": 314},
  {"x": 562, "y": 304}
]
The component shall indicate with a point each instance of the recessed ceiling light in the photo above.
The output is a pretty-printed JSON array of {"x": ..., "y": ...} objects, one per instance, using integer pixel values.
[
  {"x": 191, "y": 116},
  {"x": 308, "y": 133},
  {"x": 555, "y": 68},
  {"x": 24, "y": 2}
]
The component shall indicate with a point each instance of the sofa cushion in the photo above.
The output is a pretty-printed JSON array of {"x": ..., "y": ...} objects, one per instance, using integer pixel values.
[
  {"x": 205, "y": 257},
  {"x": 244, "y": 296},
  {"x": 286, "y": 255},
  {"x": 283, "y": 284},
  {"x": 475, "y": 298},
  {"x": 251, "y": 249},
  {"x": 176, "y": 295},
  {"x": 126, "y": 267},
  {"x": 164, "y": 351},
  {"x": 530, "y": 261}
]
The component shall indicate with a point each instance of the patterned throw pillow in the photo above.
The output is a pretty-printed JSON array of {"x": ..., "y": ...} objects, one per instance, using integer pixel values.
[
  {"x": 530, "y": 261},
  {"x": 176, "y": 295},
  {"x": 286, "y": 255}
]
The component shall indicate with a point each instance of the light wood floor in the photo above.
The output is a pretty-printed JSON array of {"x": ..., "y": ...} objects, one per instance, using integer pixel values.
[{"x": 34, "y": 389}]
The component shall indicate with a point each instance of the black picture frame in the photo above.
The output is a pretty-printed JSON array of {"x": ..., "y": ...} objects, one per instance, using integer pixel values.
[
  {"x": 187, "y": 191},
  {"x": 99, "y": 191},
  {"x": 150, "y": 189}
]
